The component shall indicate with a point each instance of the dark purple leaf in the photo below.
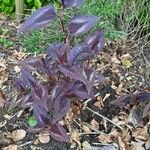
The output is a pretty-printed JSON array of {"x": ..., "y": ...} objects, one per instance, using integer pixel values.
[
  {"x": 57, "y": 52},
  {"x": 39, "y": 18},
  {"x": 32, "y": 63},
  {"x": 56, "y": 92},
  {"x": 140, "y": 97},
  {"x": 79, "y": 89},
  {"x": 79, "y": 53},
  {"x": 73, "y": 3},
  {"x": 73, "y": 72},
  {"x": 20, "y": 84},
  {"x": 146, "y": 111},
  {"x": 61, "y": 107},
  {"x": 28, "y": 79},
  {"x": 96, "y": 41},
  {"x": 94, "y": 77},
  {"x": 49, "y": 68},
  {"x": 40, "y": 113},
  {"x": 87, "y": 76},
  {"x": 81, "y": 24},
  {"x": 58, "y": 133},
  {"x": 135, "y": 116},
  {"x": 40, "y": 96},
  {"x": 27, "y": 101},
  {"x": 122, "y": 101}
]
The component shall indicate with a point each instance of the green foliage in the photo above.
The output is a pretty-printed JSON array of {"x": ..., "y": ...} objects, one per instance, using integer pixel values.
[
  {"x": 109, "y": 11},
  {"x": 7, "y": 6},
  {"x": 38, "y": 40},
  {"x": 32, "y": 121},
  {"x": 6, "y": 43},
  {"x": 140, "y": 15}
]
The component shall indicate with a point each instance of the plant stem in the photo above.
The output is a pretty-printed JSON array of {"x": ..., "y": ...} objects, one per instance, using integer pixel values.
[
  {"x": 63, "y": 29},
  {"x": 61, "y": 22}
]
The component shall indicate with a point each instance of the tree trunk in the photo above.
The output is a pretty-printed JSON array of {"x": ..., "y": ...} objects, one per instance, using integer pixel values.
[{"x": 19, "y": 9}]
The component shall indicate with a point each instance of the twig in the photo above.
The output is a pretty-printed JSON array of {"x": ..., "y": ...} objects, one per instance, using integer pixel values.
[
  {"x": 96, "y": 113},
  {"x": 90, "y": 133},
  {"x": 24, "y": 144},
  {"x": 96, "y": 131},
  {"x": 88, "y": 100}
]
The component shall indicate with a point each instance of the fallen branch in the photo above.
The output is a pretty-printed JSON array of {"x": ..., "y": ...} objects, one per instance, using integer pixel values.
[{"x": 98, "y": 114}]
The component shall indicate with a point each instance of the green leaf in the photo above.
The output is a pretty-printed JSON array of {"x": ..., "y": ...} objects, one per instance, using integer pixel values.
[
  {"x": 32, "y": 121},
  {"x": 29, "y": 1},
  {"x": 127, "y": 63},
  {"x": 33, "y": 9},
  {"x": 37, "y": 3},
  {"x": 6, "y": 1}
]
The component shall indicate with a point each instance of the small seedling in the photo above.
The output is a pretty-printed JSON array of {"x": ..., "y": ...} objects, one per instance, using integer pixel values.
[{"x": 32, "y": 121}]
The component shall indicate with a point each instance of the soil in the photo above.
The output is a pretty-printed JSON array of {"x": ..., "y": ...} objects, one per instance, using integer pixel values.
[{"x": 129, "y": 80}]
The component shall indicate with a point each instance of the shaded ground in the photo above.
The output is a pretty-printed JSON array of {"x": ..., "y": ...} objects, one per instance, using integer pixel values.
[{"x": 85, "y": 125}]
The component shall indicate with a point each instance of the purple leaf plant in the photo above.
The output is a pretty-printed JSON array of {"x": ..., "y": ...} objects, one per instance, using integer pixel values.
[{"x": 62, "y": 66}]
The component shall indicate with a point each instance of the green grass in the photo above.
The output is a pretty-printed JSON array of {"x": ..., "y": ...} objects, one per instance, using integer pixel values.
[
  {"x": 109, "y": 12},
  {"x": 6, "y": 43},
  {"x": 38, "y": 40}
]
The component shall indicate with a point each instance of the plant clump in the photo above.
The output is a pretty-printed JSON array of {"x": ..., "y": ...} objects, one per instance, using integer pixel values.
[{"x": 48, "y": 83}]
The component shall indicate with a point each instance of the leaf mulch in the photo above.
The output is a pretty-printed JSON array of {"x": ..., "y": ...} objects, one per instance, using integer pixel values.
[{"x": 93, "y": 124}]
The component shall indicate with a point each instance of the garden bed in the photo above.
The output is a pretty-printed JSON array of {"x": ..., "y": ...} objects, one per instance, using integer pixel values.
[{"x": 127, "y": 70}]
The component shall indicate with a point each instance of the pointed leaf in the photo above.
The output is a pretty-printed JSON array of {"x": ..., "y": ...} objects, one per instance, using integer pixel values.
[
  {"x": 58, "y": 133},
  {"x": 49, "y": 68},
  {"x": 73, "y": 72},
  {"x": 135, "y": 116},
  {"x": 96, "y": 41},
  {"x": 32, "y": 63},
  {"x": 139, "y": 97},
  {"x": 122, "y": 101},
  {"x": 87, "y": 76},
  {"x": 81, "y": 24},
  {"x": 40, "y": 17},
  {"x": 61, "y": 107},
  {"x": 146, "y": 111},
  {"x": 27, "y": 101},
  {"x": 73, "y": 3},
  {"x": 79, "y": 89},
  {"x": 57, "y": 51},
  {"x": 41, "y": 115},
  {"x": 20, "y": 84},
  {"x": 79, "y": 53},
  {"x": 28, "y": 79},
  {"x": 40, "y": 96}
]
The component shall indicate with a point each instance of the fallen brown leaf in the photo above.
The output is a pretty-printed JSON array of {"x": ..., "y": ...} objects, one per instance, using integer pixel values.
[
  {"x": 86, "y": 146},
  {"x": 123, "y": 144},
  {"x": 75, "y": 137},
  {"x": 137, "y": 145},
  {"x": 140, "y": 134},
  {"x": 105, "y": 138},
  {"x": 99, "y": 102},
  {"x": 94, "y": 124},
  {"x": 11, "y": 147},
  {"x": 44, "y": 137},
  {"x": 17, "y": 135}
]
